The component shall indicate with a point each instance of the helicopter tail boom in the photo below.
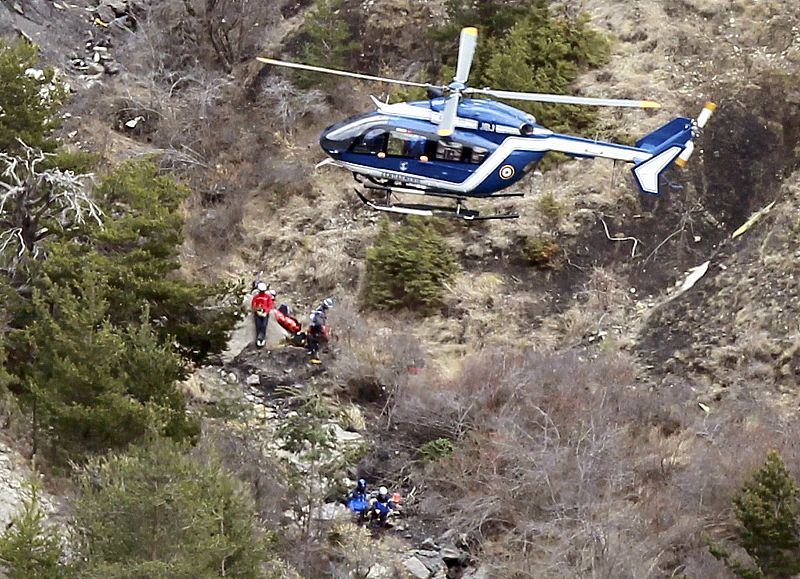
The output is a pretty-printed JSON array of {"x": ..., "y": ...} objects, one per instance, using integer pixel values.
[{"x": 651, "y": 156}]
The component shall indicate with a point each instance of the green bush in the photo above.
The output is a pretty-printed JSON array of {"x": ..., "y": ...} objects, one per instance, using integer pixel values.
[
  {"x": 407, "y": 266},
  {"x": 436, "y": 450},
  {"x": 157, "y": 512},
  {"x": 30, "y": 549},
  {"x": 769, "y": 530},
  {"x": 551, "y": 209},
  {"x": 29, "y": 106},
  {"x": 541, "y": 252}
]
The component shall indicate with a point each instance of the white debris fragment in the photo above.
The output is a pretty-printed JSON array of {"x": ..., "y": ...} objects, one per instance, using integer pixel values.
[
  {"x": 34, "y": 73},
  {"x": 694, "y": 275},
  {"x": 752, "y": 220},
  {"x": 131, "y": 124}
]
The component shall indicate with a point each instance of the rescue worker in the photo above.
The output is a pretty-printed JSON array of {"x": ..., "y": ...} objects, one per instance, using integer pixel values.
[
  {"x": 381, "y": 505},
  {"x": 318, "y": 327},
  {"x": 360, "y": 491},
  {"x": 262, "y": 304}
]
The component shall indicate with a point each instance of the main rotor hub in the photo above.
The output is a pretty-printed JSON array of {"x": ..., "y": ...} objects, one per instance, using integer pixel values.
[{"x": 456, "y": 86}]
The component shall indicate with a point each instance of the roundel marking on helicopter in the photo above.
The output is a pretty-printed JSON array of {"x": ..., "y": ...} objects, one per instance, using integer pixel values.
[{"x": 506, "y": 171}]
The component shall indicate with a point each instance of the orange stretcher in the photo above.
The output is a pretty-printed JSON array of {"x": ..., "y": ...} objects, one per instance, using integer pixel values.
[{"x": 287, "y": 322}]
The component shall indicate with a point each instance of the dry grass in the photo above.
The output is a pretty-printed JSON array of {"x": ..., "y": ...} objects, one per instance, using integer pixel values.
[
  {"x": 372, "y": 361},
  {"x": 604, "y": 304},
  {"x": 563, "y": 463},
  {"x": 567, "y": 465}
]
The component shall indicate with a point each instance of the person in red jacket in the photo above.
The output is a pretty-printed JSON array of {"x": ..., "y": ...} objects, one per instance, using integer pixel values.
[{"x": 262, "y": 304}]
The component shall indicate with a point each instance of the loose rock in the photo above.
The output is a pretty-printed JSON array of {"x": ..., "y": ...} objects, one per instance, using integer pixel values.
[{"x": 416, "y": 568}]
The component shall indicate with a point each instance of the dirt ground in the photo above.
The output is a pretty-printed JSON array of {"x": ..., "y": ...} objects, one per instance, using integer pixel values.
[{"x": 261, "y": 210}]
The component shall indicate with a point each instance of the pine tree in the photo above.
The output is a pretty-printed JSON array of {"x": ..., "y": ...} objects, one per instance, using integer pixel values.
[
  {"x": 157, "y": 512},
  {"x": 29, "y": 102},
  {"x": 137, "y": 252},
  {"x": 767, "y": 511},
  {"x": 29, "y": 549},
  {"x": 542, "y": 54},
  {"x": 93, "y": 386},
  {"x": 328, "y": 42},
  {"x": 524, "y": 47},
  {"x": 407, "y": 266}
]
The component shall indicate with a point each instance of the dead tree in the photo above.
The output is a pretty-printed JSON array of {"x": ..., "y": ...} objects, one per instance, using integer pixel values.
[
  {"x": 231, "y": 28},
  {"x": 37, "y": 201}
]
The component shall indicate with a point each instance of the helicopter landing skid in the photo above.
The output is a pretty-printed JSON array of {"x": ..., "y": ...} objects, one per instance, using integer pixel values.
[{"x": 425, "y": 210}]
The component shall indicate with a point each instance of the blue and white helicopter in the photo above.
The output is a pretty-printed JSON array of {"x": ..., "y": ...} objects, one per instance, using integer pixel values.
[{"x": 460, "y": 148}]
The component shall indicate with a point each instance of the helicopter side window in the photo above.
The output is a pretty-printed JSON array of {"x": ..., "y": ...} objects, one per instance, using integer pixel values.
[
  {"x": 402, "y": 144},
  {"x": 449, "y": 151},
  {"x": 372, "y": 143},
  {"x": 478, "y": 155}
]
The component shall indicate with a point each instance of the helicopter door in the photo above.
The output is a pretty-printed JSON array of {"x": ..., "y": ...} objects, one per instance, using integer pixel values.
[{"x": 404, "y": 144}]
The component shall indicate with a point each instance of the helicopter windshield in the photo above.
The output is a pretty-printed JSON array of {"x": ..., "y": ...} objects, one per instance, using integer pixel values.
[
  {"x": 352, "y": 127},
  {"x": 373, "y": 142}
]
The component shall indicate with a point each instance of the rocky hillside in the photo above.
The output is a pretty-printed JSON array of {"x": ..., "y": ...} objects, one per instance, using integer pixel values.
[{"x": 624, "y": 411}]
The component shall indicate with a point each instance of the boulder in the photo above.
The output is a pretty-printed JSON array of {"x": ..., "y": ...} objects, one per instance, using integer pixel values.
[
  {"x": 344, "y": 437},
  {"x": 431, "y": 559},
  {"x": 332, "y": 511},
  {"x": 416, "y": 568},
  {"x": 378, "y": 571},
  {"x": 111, "y": 67},
  {"x": 105, "y": 13},
  {"x": 120, "y": 7},
  {"x": 429, "y": 544},
  {"x": 452, "y": 556},
  {"x": 479, "y": 573}
]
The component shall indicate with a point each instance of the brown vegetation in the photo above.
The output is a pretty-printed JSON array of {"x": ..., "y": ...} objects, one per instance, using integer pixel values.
[
  {"x": 588, "y": 455},
  {"x": 565, "y": 466}
]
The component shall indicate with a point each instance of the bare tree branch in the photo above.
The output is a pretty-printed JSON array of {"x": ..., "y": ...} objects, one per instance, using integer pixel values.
[{"x": 33, "y": 200}]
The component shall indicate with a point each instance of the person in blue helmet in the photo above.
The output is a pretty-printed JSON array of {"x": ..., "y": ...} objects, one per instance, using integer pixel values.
[
  {"x": 358, "y": 501},
  {"x": 360, "y": 491}
]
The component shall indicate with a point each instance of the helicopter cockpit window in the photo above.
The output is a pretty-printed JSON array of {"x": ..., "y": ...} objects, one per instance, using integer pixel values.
[
  {"x": 372, "y": 143},
  {"x": 403, "y": 144},
  {"x": 449, "y": 151}
]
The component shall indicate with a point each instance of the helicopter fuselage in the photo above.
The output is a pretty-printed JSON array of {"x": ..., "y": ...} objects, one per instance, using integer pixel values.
[{"x": 492, "y": 146}]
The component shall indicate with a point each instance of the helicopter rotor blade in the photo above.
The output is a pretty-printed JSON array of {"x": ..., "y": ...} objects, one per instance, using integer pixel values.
[
  {"x": 448, "y": 121},
  {"x": 563, "y": 99},
  {"x": 466, "y": 50},
  {"x": 338, "y": 72}
]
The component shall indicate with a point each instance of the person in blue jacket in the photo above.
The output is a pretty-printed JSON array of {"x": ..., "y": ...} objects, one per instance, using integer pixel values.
[
  {"x": 360, "y": 491},
  {"x": 357, "y": 500}
]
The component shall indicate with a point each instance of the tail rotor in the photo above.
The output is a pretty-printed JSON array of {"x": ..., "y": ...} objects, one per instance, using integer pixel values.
[{"x": 699, "y": 123}]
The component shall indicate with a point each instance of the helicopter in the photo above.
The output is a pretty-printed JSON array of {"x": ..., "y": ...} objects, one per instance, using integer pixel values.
[{"x": 456, "y": 148}]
